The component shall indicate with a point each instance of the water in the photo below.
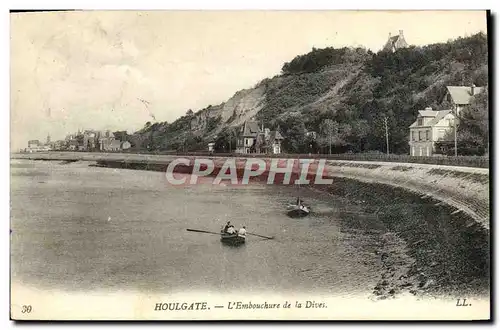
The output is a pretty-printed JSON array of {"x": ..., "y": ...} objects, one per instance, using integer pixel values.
[{"x": 81, "y": 228}]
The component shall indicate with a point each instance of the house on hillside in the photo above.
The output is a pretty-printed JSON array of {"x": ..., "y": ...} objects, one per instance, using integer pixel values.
[
  {"x": 460, "y": 96},
  {"x": 253, "y": 139},
  {"x": 247, "y": 139},
  {"x": 396, "y": 42},
  {"x": 430, "y": 127},
  {"x": 274, "y": 141}
]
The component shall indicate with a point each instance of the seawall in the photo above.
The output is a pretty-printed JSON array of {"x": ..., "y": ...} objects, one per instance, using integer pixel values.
[{"x": 466, "y": 190}]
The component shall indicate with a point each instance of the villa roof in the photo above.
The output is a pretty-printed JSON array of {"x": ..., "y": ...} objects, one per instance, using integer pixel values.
[
  {"x": 250, "y": 129},
  {"x": 463, "y": 94},
  {"x": 275, "y": 135},
  {"x": 436, "y": 116},
  {"x": 427, "y": 113}
]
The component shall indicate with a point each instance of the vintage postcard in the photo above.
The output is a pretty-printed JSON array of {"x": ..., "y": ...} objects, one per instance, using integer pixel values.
[{"x": 250, "y": 165}]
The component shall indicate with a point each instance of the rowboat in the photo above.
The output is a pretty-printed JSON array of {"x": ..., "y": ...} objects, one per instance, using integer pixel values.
[
  {"x": 232, "y": 239},
  {"x": 298, "y": 210},
  {"x": 295, "y": 210}
]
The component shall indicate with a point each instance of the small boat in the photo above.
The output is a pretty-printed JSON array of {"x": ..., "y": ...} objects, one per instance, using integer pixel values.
[
  {"x": 298, "y": 210},
  {"x": 295, "y": 210},
  {"x": 232, "y": 239}
]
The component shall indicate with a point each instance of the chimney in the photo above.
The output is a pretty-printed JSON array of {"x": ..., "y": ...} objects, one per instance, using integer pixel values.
[
  {"x": 390, "y": 35},
  {"x": 400, "y": 33},
  {"x": 472, "y": 87}
]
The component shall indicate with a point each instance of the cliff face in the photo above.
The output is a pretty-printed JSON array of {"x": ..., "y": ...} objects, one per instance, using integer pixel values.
[
  {"x": 351, "y": 87},
  {"x": 244, "y": 105}
]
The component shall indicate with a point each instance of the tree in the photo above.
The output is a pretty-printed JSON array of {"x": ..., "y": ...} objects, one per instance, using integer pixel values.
[
  {"x": 226, "y": 140},
  {"x": 233, "y": 138},
  {"x": 328, "y": 129},
  {"x": 334, "y": 135},
  {"x": 473, "y": 131},
  {"x": 121, "y": 135},
  {"x": 295, "y": 134}
]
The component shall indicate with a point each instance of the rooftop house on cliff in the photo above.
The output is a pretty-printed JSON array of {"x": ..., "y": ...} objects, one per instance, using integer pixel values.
[
  {"x": 460, "y": 96},
  {"x": 396, "y": 42},
  {"x": 430, "y": 127}
]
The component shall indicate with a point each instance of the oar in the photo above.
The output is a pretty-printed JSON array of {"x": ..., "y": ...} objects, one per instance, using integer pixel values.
[
  {"x": 203, "y": 231},
  {"x": 261, "y": 236}
]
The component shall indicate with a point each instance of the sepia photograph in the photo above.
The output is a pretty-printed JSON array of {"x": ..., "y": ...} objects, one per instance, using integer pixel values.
[{"x": 250, "y": 165}]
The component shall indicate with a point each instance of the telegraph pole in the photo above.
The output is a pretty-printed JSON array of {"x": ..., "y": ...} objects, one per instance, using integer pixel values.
[
  {"x": 386, "y": 134},
  {"x": 330, "y": 138},
  {"x": 455, "y": 129}
]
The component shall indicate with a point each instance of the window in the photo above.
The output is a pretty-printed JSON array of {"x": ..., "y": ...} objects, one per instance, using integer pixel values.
[
  {"x": 441, "y": 134},
  {"x": 419, "y": 135},
  {"x": 427, "y": 135},
  {"x": 413, "y": 136},
  {"x": 420, "y": 121}
]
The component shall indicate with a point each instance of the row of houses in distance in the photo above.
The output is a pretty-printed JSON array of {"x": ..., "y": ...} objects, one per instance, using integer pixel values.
[{"x": 87, "y": 140}]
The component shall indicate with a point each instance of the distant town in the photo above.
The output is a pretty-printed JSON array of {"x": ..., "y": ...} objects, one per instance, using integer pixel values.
[{"x": 87, "y": 140}]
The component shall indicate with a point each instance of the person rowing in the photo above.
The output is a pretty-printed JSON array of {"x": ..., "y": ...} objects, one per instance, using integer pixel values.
[
  {"x": 226, "y": 227},
  {"x": 300, "y": 203},
  {"x": 231, "y": 230}
]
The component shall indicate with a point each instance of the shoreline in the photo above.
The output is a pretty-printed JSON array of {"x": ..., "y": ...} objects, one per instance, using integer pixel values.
[
  {"x": 409, "y": 231},
  {"x": 465, "y": 189}
]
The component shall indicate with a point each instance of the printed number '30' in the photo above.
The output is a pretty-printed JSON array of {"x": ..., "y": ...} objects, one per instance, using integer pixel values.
[{"x": 26, "y": 309}]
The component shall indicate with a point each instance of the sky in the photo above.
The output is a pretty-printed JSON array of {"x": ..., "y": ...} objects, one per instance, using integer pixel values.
[{"x": 119, "y": 69}]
